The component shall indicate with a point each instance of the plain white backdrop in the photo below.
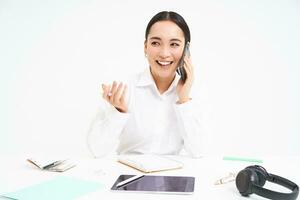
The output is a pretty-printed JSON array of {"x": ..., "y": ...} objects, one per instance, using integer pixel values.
[{"x": 54, "y": 55}]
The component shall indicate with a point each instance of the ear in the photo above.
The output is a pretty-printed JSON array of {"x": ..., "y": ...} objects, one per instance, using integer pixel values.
[{"x": 145, "y": 47}]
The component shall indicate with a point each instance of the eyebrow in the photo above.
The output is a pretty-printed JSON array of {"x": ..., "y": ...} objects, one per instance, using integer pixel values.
[{"x": 172, "y": 40}]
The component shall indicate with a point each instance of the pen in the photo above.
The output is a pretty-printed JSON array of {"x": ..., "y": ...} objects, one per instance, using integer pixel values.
[
  {"x": 122, "y": 183},
  {"x": 226, "y": 179},
  {"x": 242, "y": 159},
  {"x": 53, "y": 164}
]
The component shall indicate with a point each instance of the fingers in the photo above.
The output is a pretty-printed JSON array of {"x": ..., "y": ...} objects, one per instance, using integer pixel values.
[
  {"x": 188, "y": 68},
  {"x": 115, "y": 94},
  {"x": 106, "y": 90},
  {"x": 122, "y": 99},
  {"x": 118, "y": 92},
  {"x": 188, "y": 64},
  {"x": 113, "y": 91}
]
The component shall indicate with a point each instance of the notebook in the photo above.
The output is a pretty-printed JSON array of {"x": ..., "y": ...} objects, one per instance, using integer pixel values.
[
  {"x": 150, "y": 163},
  {"x": 50, "y": 164}
]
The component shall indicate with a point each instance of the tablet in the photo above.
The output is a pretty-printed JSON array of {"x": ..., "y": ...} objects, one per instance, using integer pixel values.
[{"x": 157, "y": 184}]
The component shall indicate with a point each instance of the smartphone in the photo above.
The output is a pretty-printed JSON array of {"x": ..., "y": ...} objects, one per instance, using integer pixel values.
[{"x": 180, "y": 69}]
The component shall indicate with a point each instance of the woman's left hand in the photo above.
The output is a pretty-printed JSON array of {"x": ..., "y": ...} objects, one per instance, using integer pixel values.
[{"x": 183, "y": 89}]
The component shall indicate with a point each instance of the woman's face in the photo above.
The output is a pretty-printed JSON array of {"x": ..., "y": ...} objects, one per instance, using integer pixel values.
[{"x": 164, "y": 47}]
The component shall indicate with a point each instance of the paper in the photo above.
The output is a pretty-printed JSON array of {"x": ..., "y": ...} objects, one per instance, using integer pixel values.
[{"x": 59, "y": 188}]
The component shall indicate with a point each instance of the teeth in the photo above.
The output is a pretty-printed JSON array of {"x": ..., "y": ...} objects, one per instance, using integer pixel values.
[{"x": 164, "y": 62}]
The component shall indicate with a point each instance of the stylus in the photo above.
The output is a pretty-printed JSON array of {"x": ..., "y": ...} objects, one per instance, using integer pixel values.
[{"x": 122, "y": 183}]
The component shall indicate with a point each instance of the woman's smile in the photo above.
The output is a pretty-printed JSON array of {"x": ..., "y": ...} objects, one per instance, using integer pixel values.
[{"x": 164, "y": 64}]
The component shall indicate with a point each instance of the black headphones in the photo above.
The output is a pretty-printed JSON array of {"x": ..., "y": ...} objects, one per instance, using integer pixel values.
[{"x": 252, "y": 179}]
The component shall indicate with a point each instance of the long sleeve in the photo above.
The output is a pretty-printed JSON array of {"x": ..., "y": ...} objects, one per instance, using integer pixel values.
[
  {"x": 191, "y": 128},
  {"x": 105, "y": 129}
]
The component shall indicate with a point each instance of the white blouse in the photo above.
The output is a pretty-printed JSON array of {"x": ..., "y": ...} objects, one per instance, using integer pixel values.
[{"x": 154, "y": 124}]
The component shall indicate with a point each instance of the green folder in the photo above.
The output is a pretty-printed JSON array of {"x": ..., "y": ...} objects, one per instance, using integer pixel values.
[{"x": 61, "y": 187}]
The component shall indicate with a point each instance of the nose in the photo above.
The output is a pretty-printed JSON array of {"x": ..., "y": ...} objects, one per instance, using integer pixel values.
[{"x": 164, "y": 52}]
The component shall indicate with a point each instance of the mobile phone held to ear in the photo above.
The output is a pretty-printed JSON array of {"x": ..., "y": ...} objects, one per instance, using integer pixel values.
[{"x": 180, "y": 69}]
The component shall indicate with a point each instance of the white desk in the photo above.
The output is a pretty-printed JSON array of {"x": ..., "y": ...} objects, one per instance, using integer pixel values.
[{"x": 16, "y": 173}]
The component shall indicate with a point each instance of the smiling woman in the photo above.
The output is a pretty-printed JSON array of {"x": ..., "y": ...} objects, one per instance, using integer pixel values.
[
  {"x": 154, "y": 113},
  {"x": 163, "y": 47}
]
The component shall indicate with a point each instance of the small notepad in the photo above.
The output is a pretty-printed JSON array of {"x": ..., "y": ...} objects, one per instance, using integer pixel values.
[
  {"x": 150, "y": 163},
  {"x": 59, "y": 188}
]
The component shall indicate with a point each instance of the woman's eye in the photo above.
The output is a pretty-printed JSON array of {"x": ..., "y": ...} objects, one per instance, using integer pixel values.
[
  {"x": 175, "y": 45},
  {"x": 154, "y": 43}
]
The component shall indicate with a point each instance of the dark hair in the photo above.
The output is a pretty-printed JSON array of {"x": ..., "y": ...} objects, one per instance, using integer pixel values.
[{"x": 173, "y": 17}]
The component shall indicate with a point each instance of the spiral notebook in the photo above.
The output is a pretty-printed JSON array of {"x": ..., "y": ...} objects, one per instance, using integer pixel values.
[{"x": 150, "y": 163}]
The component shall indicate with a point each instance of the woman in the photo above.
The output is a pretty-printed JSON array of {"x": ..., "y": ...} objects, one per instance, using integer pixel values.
[{"x": 154, "y": 113}]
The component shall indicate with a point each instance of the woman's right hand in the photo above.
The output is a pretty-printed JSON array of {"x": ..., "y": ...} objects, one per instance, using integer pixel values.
[{"x": 115, "y": 95}]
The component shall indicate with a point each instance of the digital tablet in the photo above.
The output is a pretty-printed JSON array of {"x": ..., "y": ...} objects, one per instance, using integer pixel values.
[{"x": 156, "y": 184}]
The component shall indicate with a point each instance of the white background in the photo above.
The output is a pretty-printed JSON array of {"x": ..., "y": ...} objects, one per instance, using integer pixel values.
[{"x": 54, "y": 55}]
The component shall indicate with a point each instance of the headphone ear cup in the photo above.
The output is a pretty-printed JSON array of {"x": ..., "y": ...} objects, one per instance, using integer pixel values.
[
  {"x": 245, "y": 180},
  {"x": 261, "y": 174}
]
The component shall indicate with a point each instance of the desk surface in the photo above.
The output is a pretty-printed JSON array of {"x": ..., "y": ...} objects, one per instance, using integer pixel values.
[{"x": 16, "y": 173}]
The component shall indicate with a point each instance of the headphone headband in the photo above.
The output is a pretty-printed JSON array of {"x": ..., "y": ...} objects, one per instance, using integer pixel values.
[{"x": 252, "y": 178}]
